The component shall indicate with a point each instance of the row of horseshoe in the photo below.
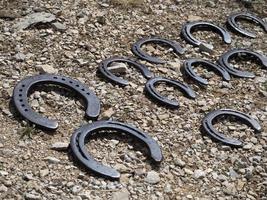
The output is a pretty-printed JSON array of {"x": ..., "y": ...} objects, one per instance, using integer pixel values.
[{"x": 82, "y": 135}]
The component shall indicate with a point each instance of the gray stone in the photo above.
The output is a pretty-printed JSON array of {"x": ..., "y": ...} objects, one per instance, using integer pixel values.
[
  {"x": 20, "y": 57},
  {"x": 3, "y": 188},
  {"x": 121, "y": 195},
  {"x": 48, "y": 69},
  {"x": 76, "y": 189},
  {"x": 60, "y": 146},
  {"x": 33, "y": 19},
  {"x": 152, "y": 177},
  {"x": 30, "y": 196},
  {"x": 199, "y": 174},
  {"x": 117, "y": 67},
  {"x": 206, "y": 48},
  {"x": 59, "y": 26},
  {"x": 52, "y": 160},
  {"x": 179, "y": 162}
]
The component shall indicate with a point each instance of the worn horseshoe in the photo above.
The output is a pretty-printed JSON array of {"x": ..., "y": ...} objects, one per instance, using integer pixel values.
[
  {"x": 22, "y": 89},
  {"x": 188, "y": 70},
  {"x": 232, "y": 23},
  {"x": 79, "y": 138},
  {"x": 190, "y": 27},
  {"x": 152, "y": 92},
  {"x": 208, "y": 120},
  {"x": 103, "y": 68},
  {"x": 136, "y": 48},
  {"x": 224, "y": 61}
]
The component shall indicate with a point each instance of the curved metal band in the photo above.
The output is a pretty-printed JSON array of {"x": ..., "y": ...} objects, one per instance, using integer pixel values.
[
  {"x": 190, "y": 27},
  {"x": 188, "y": 69},
  {"x": 103, "y": 68},
  {"x": 232, "y": 23},
  {"x": 82, "y": 135},
  {"x": 136, "y": 48},
  {"x": 151, "y": 90},
  {"x": 22, "y": 89},
  {"x": 224, "y": 61},
  {"x": 208, "y": 120}
]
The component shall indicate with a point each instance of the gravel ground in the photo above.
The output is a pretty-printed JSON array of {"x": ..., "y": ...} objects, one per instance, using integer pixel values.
[{"x": 194, "y": 167}]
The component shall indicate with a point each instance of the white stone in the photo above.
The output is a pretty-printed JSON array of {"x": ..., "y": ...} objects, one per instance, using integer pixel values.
[{"x": 152, "y": 177}]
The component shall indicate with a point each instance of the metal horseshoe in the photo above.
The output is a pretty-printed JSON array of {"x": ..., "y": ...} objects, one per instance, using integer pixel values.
[
  {"x": 152, "y": 92},
  {"x": 22, "y": 89},
  {"x": 232, "y": 23},
  {"x": 208, "y": 120},
  {"x": 136, "y": 48},
  {"x": 188, "y": 70},
  {"x": 79, "y": 138},
  {"x": 224, "y": 61},
  {"x": 189, "y": 27},
  {"x": 103, "y": 69}
]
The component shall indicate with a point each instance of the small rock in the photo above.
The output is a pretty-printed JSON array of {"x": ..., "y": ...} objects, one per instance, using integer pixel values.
[
  {"x": 76, "y": 189},
  {"x": 30, "y": 196},
  {"x": 48, "y": 69},
  {"x": 35, "y": 103},
  {"x": 193, "y": 18},
  {"x": 117, "y": 67},
  {"x": 152, "y": 177},
  {"x": 203, "y": 47},
  {"x": 52, "y": 160},
  {"x": 108, "y": 113},
  {"x": 60, "y": 146},
  {"x": 85, "y": 195},
  {"x": 59, "y": 26},
  {"x": 188, "y": 171},
  {"x": 44, "y": 172},
  {"x": 121, "y": 195},
  {"x": 3, "y": 188},
  {"x": 248, "y": 146},
  {"x": 33, "y": 19},
  {"x": 199, "y": 174},
  {"x": 179, "y": 162},
  {"x": 20, "y": 57},
  {"x": 233, "y": 173},
  {"x": 175, "y": 65}
]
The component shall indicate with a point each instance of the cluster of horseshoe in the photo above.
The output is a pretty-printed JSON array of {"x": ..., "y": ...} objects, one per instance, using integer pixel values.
[{"x": 83, "y": 134}]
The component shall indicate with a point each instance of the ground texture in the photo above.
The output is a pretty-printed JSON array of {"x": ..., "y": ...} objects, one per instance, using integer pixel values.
[{"x": 194, "y": 167}]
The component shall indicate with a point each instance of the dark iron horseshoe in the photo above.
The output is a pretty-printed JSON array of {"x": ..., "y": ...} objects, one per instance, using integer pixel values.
[
  {"x": 79, "y": 138},
  {"x": 225, "y": 59},
  {"x": 23, "y": 88},
  {"x": 207, "y": 124},
  {"x": 232, "y": 23},
  {"x": 103, "y": 68},
  {"x": 189, "y": 27},
  {"x": 151, "y": 90},
  {"x": 136, "y": 48},
  {"x": 188, "y": 69}
]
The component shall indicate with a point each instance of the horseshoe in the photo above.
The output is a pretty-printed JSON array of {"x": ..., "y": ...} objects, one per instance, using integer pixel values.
[
  {"x": 189, "y": 27},
  {"x": 151, "y": 90},
  {"x": 188, "y": 69},
  {"x": 23, "y": 88},
  {"x": 83, "y": 134},
  {"x": 225, "y": 58},
  {"x": 103, "y": 68},
  {"x": 136, "y": 48},
  {"x": 207, "y": 124},
  {"x": 232, "y": 23}
]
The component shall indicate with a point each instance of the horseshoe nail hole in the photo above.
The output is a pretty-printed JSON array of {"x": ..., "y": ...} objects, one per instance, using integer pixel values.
[
  {"x": 23, "y": 86},
  {"x": 55, "y": 77},
  {"x": 26, "y": 110},
  {"x": 231, "y": 126},
  {"x": 70, "y": 82},
  {"x": 20, "y": 95},
  {"x": 63, "y": 79},
  {"x": 20, "y": 90},
  {"x": 88, "y": 93},
  {"x": 22, "y": 105},
  {"x": 119, "y": 151},
  {"x": 83, "y": 89},
  {"x": 77, "y": 86},
  {"x": 21, "y": 100},
  {"x": 246, "y": 62}
]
